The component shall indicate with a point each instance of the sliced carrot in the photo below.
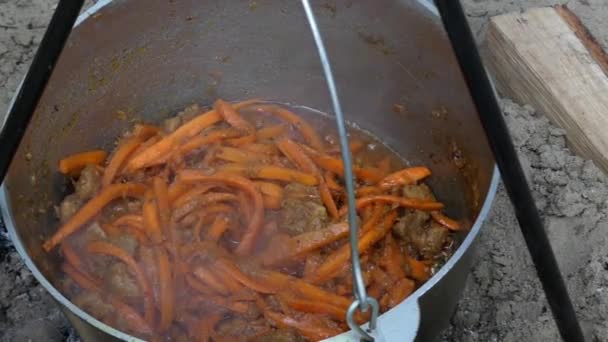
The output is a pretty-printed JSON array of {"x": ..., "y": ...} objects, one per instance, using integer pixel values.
[
  {"x": 410, "y": 175},
  {"x": 219, "y": 226},
  {"x": 71, "y": 256},
  {"x": 91, "y": 208},
  {"x": 308, "y": 132},
  {"x": 411, "y": 203},
  {"x": 83, "y": 280},
  {"x": 161, "y": 192},
  {"x": 304, "y": 327},
  {"x": 342, "y": 255},
  {"x": 232, "y": 117},
  {"x": 311, "y": 306},
  {"x": 331, "y": 182},
  {"x": 180, "y": 135},
  {"x": 207, "y": 139},
  {"x": 392, "y": 259},
  {"x": 235, "y": 272},
  {"x": 400, "y": 291},
  {"x": 271, "y": 132},
  {"x": 134, "y": 320},
  {"x": 259, "y": 148},
  {"x": 130, "y": 220},
  {"x": 419, "y": 270},
  {"x": 236, "y": 155},
  {"x": 336, "y": 165},
  {"x": 105, "y": 248},
  {"x": 241, "y": 141},
  {"x": 73, "y": 164},
  {"x": 211, "y": 198},
  {"x": 151, "y": 218},
  {"x": 284, "y": 174},
  {"x": 167, "y": 300},
  {"x": 445, "y": 221},
  {"x": 367, "y": 191},
  {"x": 257, "y": 219},
  {"x": 211, "y": 280}
]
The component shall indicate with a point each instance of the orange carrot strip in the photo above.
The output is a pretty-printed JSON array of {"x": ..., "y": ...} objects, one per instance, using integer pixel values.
[
  {"x": 419, "y": 270},
  {"x": 74, "y": 163},
  {"x": 134, "y": 320},
  {"x": 232, "y": 117},
  {"x": 91, "y": 209},
  {"x": 105, "y": 248},
  {"x": 219, "y": 226},
  {"x": 235, "y": 155},
  {"x": 339, "y": 257},
  {"x": 167, "y": 300},
  {"x": 308, "y": 132},
  {"x": 207, "y": 139},
  {"x": 271, "y": 132},
  {"x": 335, "y": 165},
  {"x": 367, "y": 191},
  {"x": 125, "y": 150},
  {"x": 244, "y": 205},
  {"x": 284, "y": 174},
  {"x": 196, "y": 284},
  {"x": 176, "y": 189},
  {"x": 445, "y": 221},
  {"x": 209, "y": 278},
  {"x": 400, "y": 291},
  {"x": 328, "y": 200},
  {"x": 151, "y": 220},
  {"x": 248, "y": 240},
  {"x": 354, "y": 146},
  {"x": 410, "y": 175},
  {"x": 242, "y": 141},
  {"x": 331, "y": 182},
  {"x": 180, "y": 135},
  {"x": 192, "y": 194},
  {"x": 83, "y": 280},
  {"x": 392, "y": 259},
  {"x": 227, "y": 303},
  {"x": 266, "y": 149},
  {"x": 206, "y": 199},
  {"x": 310, "y": 241},
  {"x": 411, "y": 203},
  {"x": 311, "y": 306},
  {"x": 235, "y": 272},
  {"x": 71, "y": 256},
  {"x": 272, "y": 194},
  {"x": 130, "y": 220},
  {"x": 305, "y": 328},
  {"x": 231, "y": 284},
  {"x": 296, "y": 155},
  {"x": 161, "y": 192}
]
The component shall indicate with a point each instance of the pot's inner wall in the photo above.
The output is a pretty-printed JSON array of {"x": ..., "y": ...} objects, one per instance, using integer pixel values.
[{"x": 144, "y": 60}]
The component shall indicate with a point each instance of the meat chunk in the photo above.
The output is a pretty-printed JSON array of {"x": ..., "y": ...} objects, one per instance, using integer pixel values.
[
  {"x": 428, "y": 240},
  {"x": 413, "y": 218},
  {"x": 119, "y": 281},
  {"x": 302, "y": 210},
  {"x": 88, "y": 183},
  {"x": 418, "y": 191},
  {"x": 125, "y": 241},
  {"x": 69, "y": 206},
  {"x": 171, "y": 124},
  {"x": 240, "y": 329}
]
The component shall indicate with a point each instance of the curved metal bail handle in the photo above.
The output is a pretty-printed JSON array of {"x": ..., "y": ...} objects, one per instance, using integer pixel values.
[{"x": 362, "y": 301}]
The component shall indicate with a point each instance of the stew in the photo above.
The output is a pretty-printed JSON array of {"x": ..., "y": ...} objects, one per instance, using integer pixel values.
[{"x": 230, "y": 224}]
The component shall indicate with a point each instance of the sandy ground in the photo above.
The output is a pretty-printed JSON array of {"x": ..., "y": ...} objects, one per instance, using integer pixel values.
[{"x": 503, "y": 300}]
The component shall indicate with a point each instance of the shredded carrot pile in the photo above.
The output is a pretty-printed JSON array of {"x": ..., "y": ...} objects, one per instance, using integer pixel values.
[{"x": 208, "y": 257}]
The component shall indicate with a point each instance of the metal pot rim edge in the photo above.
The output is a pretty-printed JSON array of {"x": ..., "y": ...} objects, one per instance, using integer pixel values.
[{"x": 10, "y": 225}]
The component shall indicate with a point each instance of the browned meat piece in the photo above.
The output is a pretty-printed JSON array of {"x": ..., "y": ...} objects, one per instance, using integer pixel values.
[
  {"x": 171, "y": 124},
  {"x": 89, "y": 182},
  {"x": 125, "y": 241},
  {"x": 418, "y": 191},
  {"x": 119, "y": 281},
  {"x": 302, "y": 210},
  {"x": 280, "y": 336},
  {"x": 69, "y": 206},
  {"x": 121, "y": 207},
  {"x": 413, "y": 218},
  {"x": 428, "y": 240},
  {"x": 189, "y": 113}
]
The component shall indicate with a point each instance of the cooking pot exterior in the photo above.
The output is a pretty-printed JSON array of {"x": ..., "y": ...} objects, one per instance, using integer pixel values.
[{"x": 130, "y": 60}]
